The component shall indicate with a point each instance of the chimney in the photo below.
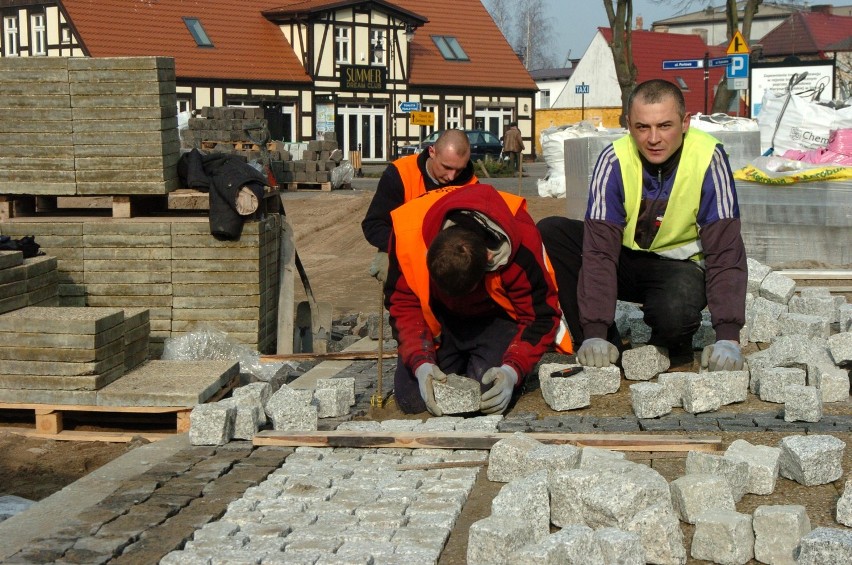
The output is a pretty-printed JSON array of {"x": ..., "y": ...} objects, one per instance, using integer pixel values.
[{"x": 639, "y": 22}]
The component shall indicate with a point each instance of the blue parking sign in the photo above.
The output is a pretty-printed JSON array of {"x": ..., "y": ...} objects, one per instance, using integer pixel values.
[{"x": 738, "y": 67}]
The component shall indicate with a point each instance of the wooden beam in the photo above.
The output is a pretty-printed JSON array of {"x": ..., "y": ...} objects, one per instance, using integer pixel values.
[
  {"x": 339, "y": 355},
  {"x": 479, "y": 440},
  {"x": 75, "y": 435}
]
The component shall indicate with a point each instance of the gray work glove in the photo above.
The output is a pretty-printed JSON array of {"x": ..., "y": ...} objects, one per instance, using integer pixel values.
[
  {"x": 379, "y": 266},
  {"x": 724, "y": 355},
  {"x": 425, "y": 374},
  {"x": 597, "y": 352},
  {"x": 496, "y": 399}
]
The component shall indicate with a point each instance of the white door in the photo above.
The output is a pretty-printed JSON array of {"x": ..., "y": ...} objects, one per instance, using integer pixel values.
[
  {"x": 493, "y": 119},
  {"x": 363, "y": 128}
]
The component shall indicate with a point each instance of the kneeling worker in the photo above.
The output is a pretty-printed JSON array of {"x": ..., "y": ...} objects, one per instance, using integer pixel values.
[{"x": 469, "y": 292}]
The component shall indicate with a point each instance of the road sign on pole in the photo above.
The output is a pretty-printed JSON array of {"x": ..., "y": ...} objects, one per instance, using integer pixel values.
[
  {"x": 719, "y": 62},
  {"x": 406, "y": 106},
  {"x": 421, "y": 118},
  {"x": 738, "y": 45},
  {"x": 738, "y": 67},
  {"x": 582, "y": 88},
  {"x": 675, "y": 64}
]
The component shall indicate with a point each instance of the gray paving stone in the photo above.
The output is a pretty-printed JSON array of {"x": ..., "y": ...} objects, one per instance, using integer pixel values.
[
  {"x": 553, "y": 458},
  {"x": 603, "y": 380},
  {"x": 843, "y": 513},
  {"x": 770, "y": 381},
  {"x": 734, "y": 471},
  {"x": 826, "y": 545},
  {"x": 507, "y": 459},
  {"x": 526, "y": 498},
  {"x": 793, "y": 323},
  {"x": 694, "y": 494},
  {"x": 563, "y": 393},
  {"x": 819, "y": 306},
  {"x": 673, "y": 386},
  {"x": 840, "y": 346},
  {"x": 247, "y": 420},
  {"x": 777, "y": 287},
  {"x": 833, "y": 384},
  {"x": 723, "y": 536},
  {"x": 331, "y": 402},
  {"x": 458, "y": 395},
  {"x": 701, "y": 393},
  {"x": 802, "y": 404},
  {"x": 844, "y": 317},
  {"x": 757, "y": 271},
  {"x": 644, "y": 363},
  {"x": 777, "y": 532},
  {"x": 649, "y": 400},
  {"x": 572, "y": 545},
  {"x": 211, "y": 424},
  {"x": 620, "y": 546},
  {"x": 346, "y": 384},
  {"x": 492, "y": 539},
  {"x": 660, "y": 532},
  {"x": 811, "y": 460},
  {"x": 763, "y": 464}
]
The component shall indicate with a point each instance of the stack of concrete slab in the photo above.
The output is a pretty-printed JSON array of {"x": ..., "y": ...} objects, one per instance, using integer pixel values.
[
  {"x": 124, "y": 110},
  {"x": 42, "y": 281},
  {"x": 315, "y": 163},
  {"x": 213, "y": 125},
  {"x": 137, "y": 337},
  {"x": 36, "y": 145},
  {"x": 127, "y": 264},
  {"x": 50, "y": 350},
  {"x": 27, "y": 282}
]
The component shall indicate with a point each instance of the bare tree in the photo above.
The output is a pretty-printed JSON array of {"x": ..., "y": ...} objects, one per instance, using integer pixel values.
[
  {"x": 620, "y": 15},
  {"x": 502, "y": 14}
]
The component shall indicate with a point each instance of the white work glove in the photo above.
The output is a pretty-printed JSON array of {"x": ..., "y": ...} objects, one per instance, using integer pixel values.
[
  {"x": 379, "y": 266},
  {"x": 496, "y": 399},
  {"x": 597, "y": 352},
  {"x": 426, "y": 373},
  {"x": 724, "y": 355}
]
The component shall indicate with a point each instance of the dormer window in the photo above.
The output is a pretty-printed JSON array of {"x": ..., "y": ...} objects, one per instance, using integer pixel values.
[
  {"x": 197, "y": 30},
  {"x": 450, "y": 48}
]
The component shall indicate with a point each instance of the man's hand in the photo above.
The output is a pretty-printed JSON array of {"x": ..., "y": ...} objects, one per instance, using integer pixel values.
[
  {"x": 724, "y": 355},
  {"x": 379, "y": 266},
  {"x": 597, "y": 352},
  {"x": 496, "y": 399},
  {"x": 426, "y": 373}
]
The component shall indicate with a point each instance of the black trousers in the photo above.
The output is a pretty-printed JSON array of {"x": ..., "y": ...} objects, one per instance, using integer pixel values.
[
  {"x": 671, "y": 292},
  {"x": 468, "y": 348}
]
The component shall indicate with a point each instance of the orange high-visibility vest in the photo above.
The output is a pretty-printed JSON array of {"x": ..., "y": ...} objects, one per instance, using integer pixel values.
[
  {"x": 411, "y": 249},
  {"x": 412, "y": 177}
]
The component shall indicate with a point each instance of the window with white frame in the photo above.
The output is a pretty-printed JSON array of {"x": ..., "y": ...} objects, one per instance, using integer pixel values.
[
  {"x": 65, "y": 36},
  {"x": 433, "y": 109},
  {"x": 378, "y": 47},
  {"x": 10, "y": 36},
  {"x": 341, "y": 42},
  {"x": 544, "y": 100},
  {"x": 39, "y": 32},
  {"x": 452, "y": 116}
]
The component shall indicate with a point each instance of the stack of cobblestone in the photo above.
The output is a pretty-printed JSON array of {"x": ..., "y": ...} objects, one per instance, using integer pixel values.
[
  {"x": 220, "y": 124},
  {"x": 308, "y": 162}
]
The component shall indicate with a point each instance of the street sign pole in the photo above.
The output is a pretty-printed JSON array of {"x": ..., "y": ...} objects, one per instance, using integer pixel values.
[
  {"x": 706, "y": 79},
  {"x": 582, "y": 89}
]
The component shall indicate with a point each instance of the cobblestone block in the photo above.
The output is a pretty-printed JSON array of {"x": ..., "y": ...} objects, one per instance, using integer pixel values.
[
  {"x": 294, "y": 418},
  {"x": 661, "y": 425},
  {"x": 804, "y": 324},
  {"x": 593, "y": 456},
  {"x": 811, "y": 460},
  {"x": 772, "y": 380},
  {"x": 802, "y": 404},
  {"x": 573, "y": 545},
  {"x": 757, "y": 271},
  {"x": 619, "y": 546},
  {"x": 211, "y": 424},
  {"x": 732, "y": 386},
  {"x": 694, "y": 494},
  {"x": 701, "y": 393},
  {"x": 777, "y": 531},
  {"x": 566, "y": 490},
  {"x": 400, "y": 425},
  {"x": 844, "y": 317},
  {"x": 360, "y": 426},
  {"x": 619, "y": 491},
  {"x": 528, "y": 499},
  {"x": 553, "y": 458},
  {"x": 616, "y": 424},
  {"x": 259, "y": 391},
  {"x": 331, "y": 402},
  {"x": 826, "y": 545},
  {"x": 249, "y": 414},
  {"x": 488, "y": 423},
  {"x": 603, "y": 380},
  {"x": 458, "y": 395},
  {"x": 833, "y": 383},
  {"x": 762, "y": 328},
  {"x": 507, "y": 459},
  {"x": 660, "y": 532},
  {"x": 705, "y": 335},
  {"x": 492, "y": 539},
  {"x": 820, "y": 306},
  {"x": 644, "y": 363},
  {"x": 673, "y": 386},
  {"x": 346, "y": 384},
  {"x": 649, "y": 400},
  {"x": 777, "y": 287},
  {"x": 763, "y": 464},
  {"x": 733, "y": 470},
  {"x": 840, "y": 346},
  {"x": 563, "y": 393},
  {"x": 440, "y": 424},
  {"x": 723, "y": 536},
  {"x": 766, "y": 309},
  {"x": 844, "y": 505}
]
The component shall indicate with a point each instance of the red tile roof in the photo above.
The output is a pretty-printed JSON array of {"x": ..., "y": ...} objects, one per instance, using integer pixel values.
[
  {"x": 247, "y": 46},
  {"x": 808, "y": 33},
  {"x": 651, "y": 48}
]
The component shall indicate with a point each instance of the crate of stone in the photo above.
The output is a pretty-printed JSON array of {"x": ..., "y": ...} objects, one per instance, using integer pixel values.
[
  {"x": 36, "y": 143},
  {"x": 47, "y": 350},
  {"x": 126, "y": 140},
  {"x": 229, "y": 285}
]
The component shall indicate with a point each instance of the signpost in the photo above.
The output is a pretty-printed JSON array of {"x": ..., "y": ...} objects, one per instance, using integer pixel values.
[
  {"x": 406, "y": 106},
  {"x": 675, "y": 64},
  {"x": 421, "y": 118},
  {"x": 582, "y": 89}
]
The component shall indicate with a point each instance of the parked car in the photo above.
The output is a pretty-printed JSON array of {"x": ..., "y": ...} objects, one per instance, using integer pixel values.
[{"x": 483, "y": 144}]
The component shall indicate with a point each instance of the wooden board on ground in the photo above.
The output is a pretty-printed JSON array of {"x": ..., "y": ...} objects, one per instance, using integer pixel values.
[
  {"x": 481, "y": 440},
  {"x": 296, "y": 186}
]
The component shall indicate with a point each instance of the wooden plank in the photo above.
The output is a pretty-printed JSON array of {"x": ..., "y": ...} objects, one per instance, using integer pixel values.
[
  {"x": 183, "y": 422},
  {"x": 121, "y": 207},
  {"x": 339, "y": 355},
  {"x": 48, "y": 422},
  {"x": 478, "y": 440},
  {"x": 75, "y": 435},
  {"x": 92, "y": 408},
  {"x": 817, "y": 274}
]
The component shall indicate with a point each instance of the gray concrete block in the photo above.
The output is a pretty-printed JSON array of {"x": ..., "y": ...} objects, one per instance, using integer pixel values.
[
  {"x": 723, "y": 536},
  {"x": 826, "y": 545},
  {"x": 843, "y": 513},
  {"x": 757, "y": 271},
  {"x": 673, "y": 386},
  {"x": 507, "y": 458},
  {"x": 802, "y": 404},
  {"x": 563, "y": 393},
  {"x": 804, "y": 324},
  {"x": 734, "y": 471},
  {"x": 821, "y": 306},
  {"x": 694, "y": 494},
  {"x": 661, "y": 535},
  {"x": 331, "y": 402},
  {"x": 811, "y": 460},
  {"x": 649, "y": 400},
  {"x": 840, "y": 346},
  {"x": 528, "y": 499},
  {"x": 777, "y": 531},
  {"x": 458, "y": 395},
  {"x": 492, "y": 539},
  {"x": 701, "y": 393},
  {"x": 553, "y": 458},
  {"x": 10, "y": 259},
  {"x": 619, "y": 546},
  {"x": 644, "y": 363},
  {"x": 763, "y": 463},
  {"x": 777, "y": 288},
  {"x": 212, "y": 424},
  {"x": 770, "y": 382},
  {"x": 347, "y": 384}
]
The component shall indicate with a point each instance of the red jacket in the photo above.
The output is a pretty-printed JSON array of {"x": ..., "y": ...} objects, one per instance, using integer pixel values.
[{"x": 523, "y": 277}]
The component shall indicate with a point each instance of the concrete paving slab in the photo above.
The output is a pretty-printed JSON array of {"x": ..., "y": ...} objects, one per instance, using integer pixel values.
[
  {"x": 169, "y": 383},
  {"x": 25, "y": 352},
  {"x": 48, "y": 383},
  {"x": 61, "y": 320},
  {"x": 61, "y": 368},
  {"x": 10, "y": 259}
]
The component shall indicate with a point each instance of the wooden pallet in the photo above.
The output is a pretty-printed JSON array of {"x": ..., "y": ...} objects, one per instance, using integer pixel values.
[
  {"x": 25, "y": 206},
  {"x": 236, "y": 145},
  {"x": 296, "y": 186},
  {"x": 49, "y": 419}
]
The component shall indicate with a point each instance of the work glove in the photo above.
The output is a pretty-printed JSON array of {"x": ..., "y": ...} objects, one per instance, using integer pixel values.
[
  {"x": 597, "y": 352},
  {"x": 496, "y": 399},
  {"x": 379, "y": 266},
  {"x": 426, "y": 374},
  {"x": 724, "y": 355}
]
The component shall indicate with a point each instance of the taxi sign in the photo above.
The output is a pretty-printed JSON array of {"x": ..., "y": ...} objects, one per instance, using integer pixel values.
[
  {"x": 738, "y": 45},
  {"x": 421, "y": 118}
]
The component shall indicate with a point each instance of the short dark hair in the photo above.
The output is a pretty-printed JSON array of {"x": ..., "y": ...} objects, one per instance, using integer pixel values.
[
  {"x": 457, "y": 259},
  {"x": 655, "y": 90}
]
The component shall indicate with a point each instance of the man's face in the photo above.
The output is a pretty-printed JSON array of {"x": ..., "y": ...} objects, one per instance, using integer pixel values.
[
  {"x": 446, "y": 164},
  {"x": 657, "y": 128}
]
